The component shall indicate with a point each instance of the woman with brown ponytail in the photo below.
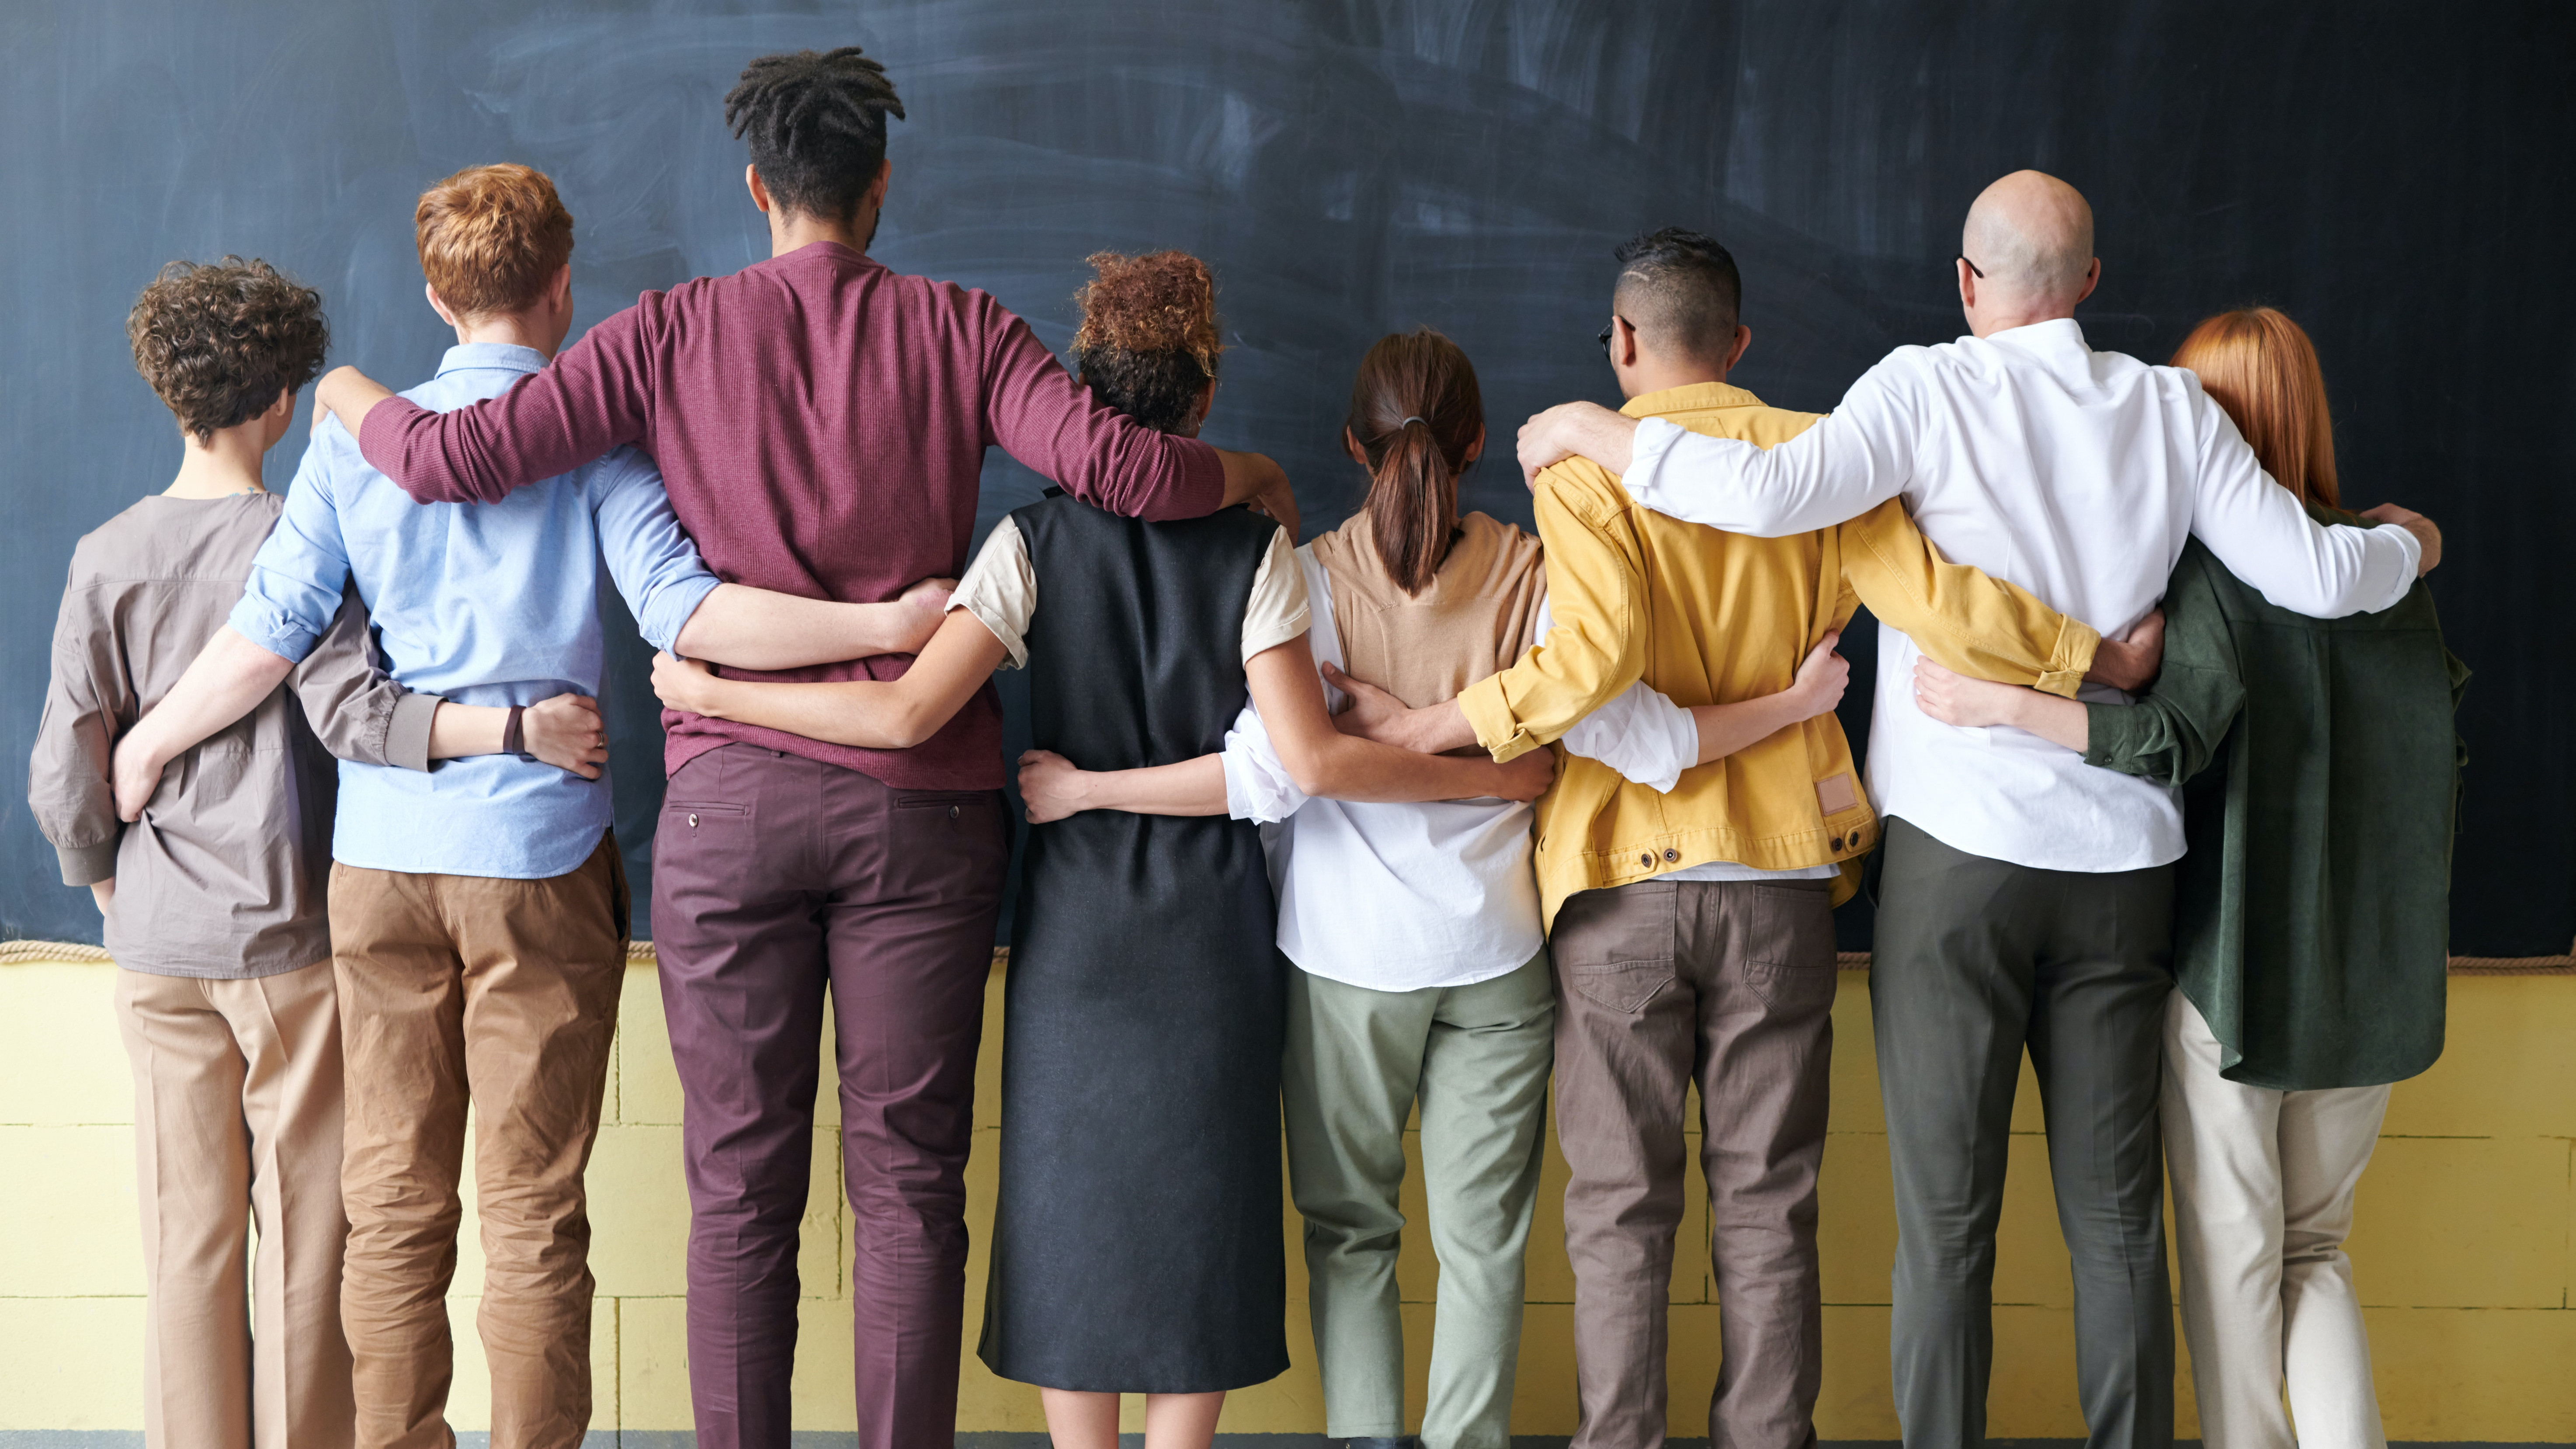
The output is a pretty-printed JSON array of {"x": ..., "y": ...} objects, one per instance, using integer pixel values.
[
  {"x": 1136, "y": 1239},
  {"x": 1422, "y": 972}
]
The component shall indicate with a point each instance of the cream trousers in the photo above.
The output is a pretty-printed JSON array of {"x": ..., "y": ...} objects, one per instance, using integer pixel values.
[{"x": 2263, "y": 1186}]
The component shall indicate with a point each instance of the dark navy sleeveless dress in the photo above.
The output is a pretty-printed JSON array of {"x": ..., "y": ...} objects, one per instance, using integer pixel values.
[{"x": 1137, "y": 1242}]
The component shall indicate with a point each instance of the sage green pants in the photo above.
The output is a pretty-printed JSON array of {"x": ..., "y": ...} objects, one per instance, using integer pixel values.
[{"x": 1476, "y": 1058}]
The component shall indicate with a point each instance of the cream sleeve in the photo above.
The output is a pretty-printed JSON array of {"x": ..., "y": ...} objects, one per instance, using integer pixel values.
[
  {"x": 1001, "y": 590},
  {"x": 1277, "y": 611}
]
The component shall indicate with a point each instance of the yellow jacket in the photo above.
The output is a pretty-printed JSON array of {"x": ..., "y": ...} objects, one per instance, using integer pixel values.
[{"x": 1715, "y": 618}]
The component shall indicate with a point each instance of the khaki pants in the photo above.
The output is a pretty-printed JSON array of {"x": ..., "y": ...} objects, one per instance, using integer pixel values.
[
  {"x": 236, "y": 1121},
  {"x": 1476, "y": 1059},
  {"x": 1729, "y": 984},
  {"x": 504, "y": 993},
  {"x": 2263, "y": 1185}
]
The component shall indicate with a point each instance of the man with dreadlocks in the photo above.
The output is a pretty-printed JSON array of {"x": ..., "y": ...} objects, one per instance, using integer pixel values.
[{"x": 821, "y": 422}]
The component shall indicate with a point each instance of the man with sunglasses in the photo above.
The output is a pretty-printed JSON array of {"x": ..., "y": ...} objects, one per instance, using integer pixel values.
[
  {"x": 1689, "y": 904},
  {"x": 2024, "y": 900}
]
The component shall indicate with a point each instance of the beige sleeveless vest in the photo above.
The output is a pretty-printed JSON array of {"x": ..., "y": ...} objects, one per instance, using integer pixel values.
[{"x": 1473, "y": 619}]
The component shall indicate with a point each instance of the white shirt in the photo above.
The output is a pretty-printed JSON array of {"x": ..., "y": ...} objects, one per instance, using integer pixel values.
[
  {"x": 2073, "y": 473},
  {"x": 1391, "y": 897}
]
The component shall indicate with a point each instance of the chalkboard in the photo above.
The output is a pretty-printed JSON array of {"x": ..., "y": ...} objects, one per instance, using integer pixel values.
[{"x": 2397, "y": 179}]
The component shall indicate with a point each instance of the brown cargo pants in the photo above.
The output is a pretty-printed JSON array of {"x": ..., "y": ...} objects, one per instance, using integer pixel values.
[
  {"x": 502, "y": 993},
  {"x": 1660, "y": 984}
]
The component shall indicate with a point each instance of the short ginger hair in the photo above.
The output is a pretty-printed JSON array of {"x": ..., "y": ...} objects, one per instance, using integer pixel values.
[
  {"x": 220, "y": 340},
  {"x": 491, "y": 238},
  {"x": 1148, "y": 343}
]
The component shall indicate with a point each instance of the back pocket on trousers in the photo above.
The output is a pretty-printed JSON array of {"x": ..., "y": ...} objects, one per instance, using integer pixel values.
[{"x": 1615, "y": 946}]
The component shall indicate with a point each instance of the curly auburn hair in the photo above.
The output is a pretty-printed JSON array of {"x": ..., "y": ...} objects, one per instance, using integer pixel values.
[
  {"x": 491, "y": 238},
  {"x": 1148, "y": 343},
  {"x": 220, "y": 340}
]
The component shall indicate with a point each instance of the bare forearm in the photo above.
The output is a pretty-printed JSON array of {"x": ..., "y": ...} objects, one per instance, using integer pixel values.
[
  {"x": 227, "y": 680},
  {"x": 103, "y": 892},
  {"x": 1254, "y": 479},
  {"x": 1347, "y": 767},
  {"x": 466, "y": 729},
  {"x": 756, "y": 629},
  {"x": 868, "y": 714},
  {"x": 1192, "y": 787},
  {"x": 1436, "y": 729},
  {"x": 1727, "y": 728},
  {"x": 347, "y": 394},
  {"x": 2058, "y": 721}
]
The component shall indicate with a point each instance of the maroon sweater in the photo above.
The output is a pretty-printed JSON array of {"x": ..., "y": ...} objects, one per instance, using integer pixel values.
[{"x": 821, "y": 422}]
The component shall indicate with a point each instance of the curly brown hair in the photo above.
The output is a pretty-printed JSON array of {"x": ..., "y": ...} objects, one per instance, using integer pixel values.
[
  {"x": 220, "y": 340},
  {"x": 1148, "y": 343}
]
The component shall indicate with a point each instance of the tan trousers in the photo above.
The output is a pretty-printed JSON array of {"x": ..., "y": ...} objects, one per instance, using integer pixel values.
[
  {"x": 2263, "y": 1185},
  {"x": 502, "y": 992},
  {"x": 1729, "y": 985},
  {"x": 236, "y": 1121}
]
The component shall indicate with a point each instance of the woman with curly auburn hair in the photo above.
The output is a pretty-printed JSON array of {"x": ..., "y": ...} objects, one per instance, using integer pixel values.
[
  {"x": 1136, "y": 1241},
  {"x": 2319, "y": 776}
]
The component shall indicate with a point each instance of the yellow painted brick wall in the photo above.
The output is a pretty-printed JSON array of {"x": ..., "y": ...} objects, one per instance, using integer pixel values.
[{"x": 2463, "y": 1245}]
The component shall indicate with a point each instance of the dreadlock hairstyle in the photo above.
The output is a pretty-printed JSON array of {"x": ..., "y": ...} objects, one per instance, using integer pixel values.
[
  {"x": 816, "y": 121},
  {"x": 1148, "y": 344},
  {"x": 1415, "y": 412}
]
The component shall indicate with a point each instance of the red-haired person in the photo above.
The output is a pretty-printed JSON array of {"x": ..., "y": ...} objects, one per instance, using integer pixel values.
[
  {"x": 2318, "y": 766},
  {"x": 1136, "y": 1243},
  {"x": 213, "y": 898},
  {"x": 479, "y": 912},
  {"x": 822, "y": 421}
]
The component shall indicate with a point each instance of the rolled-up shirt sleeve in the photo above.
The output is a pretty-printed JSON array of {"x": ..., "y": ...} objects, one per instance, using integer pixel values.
[
  {"x": 656, "y": 567},
  {"x": 1257, "y": 783},
  {"x": 300, "y": 575},
  {"x": 1852, "y": 461},
  {"x": 2261, "y": 532}
]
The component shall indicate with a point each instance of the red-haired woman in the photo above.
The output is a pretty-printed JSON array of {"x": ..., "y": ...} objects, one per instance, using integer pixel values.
[
  {"x": 1136, "y": 1243},
  {"x": 2318, "y": 768}
]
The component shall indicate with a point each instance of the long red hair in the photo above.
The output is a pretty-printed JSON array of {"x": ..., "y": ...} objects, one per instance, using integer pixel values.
[{"x": 2261, "y": 368}]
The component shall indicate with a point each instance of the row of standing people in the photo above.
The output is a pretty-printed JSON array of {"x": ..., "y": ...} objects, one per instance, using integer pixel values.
[{"x": 1662, "y": 922}]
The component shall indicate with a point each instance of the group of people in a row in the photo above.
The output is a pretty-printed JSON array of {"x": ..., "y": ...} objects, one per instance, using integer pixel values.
[{"x": 1424, "y": 814}]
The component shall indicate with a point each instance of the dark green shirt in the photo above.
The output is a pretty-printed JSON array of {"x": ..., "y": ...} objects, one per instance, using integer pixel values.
[{"x": 2320, "y": 777}]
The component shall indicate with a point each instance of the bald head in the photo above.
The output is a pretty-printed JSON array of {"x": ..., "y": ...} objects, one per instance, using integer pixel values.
[{"x": 2032, "y": 236}]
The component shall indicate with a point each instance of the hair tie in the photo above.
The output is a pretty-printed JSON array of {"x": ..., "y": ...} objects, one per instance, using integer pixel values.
[{"x": 1399, "y": 427}]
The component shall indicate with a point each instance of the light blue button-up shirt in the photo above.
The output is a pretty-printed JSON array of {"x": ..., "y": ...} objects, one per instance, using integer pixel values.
[{"x": 493, "y": 603}]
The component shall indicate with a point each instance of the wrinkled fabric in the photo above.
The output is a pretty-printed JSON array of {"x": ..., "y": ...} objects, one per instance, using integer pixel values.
[
  {"x": 1728, "y": 986},
  {"x": 499, "y": 994},
  {"x": 779, "y": 881},
  {"x": 237, "y": 1114},
  {"x": 2321, "y": 771}
]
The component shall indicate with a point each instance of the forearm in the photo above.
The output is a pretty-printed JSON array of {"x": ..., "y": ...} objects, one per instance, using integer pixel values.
[
  {"x": 868, "y": 714},
  {"x": 103, "y": 892},
  {"x": 467, "y": 729},
  {"x": 1434, "y": 729},
  {"x": 757, "y": 629},
  {"x": 1192, "y": 787},
  {"x": 1727, "y": 728},
  {"x": 228, "y": 679},
  {"x": 2058, "y": 721},
  {"x": 1347, "y": 767}
]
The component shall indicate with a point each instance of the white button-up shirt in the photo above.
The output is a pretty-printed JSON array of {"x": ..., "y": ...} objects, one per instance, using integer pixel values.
[{"x": 2073, "y": 473}]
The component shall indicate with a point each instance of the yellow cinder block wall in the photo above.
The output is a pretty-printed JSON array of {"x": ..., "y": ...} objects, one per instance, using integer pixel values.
[{"x": 2463, "y": 1245}]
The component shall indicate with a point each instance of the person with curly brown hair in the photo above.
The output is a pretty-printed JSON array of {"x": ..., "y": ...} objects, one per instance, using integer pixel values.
[
  {"x": 1136, "y": 1244},
  {"x": 213, "y": 897}
]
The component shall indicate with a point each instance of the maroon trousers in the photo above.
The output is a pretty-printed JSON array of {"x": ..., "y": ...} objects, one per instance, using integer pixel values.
[{"x": 776, "y": 879}]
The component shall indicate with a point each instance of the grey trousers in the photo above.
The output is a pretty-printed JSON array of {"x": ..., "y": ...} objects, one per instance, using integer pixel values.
[
  {"x": 1977, "y": 959},
  {"x": 1475, "y": 1057}
]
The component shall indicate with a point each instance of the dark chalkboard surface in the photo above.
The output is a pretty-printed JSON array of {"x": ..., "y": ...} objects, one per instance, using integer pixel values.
[{"x": 2396, "y": 178}]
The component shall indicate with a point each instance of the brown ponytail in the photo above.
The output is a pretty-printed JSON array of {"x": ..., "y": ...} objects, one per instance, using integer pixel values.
[{"x": 1415, "y": 413}]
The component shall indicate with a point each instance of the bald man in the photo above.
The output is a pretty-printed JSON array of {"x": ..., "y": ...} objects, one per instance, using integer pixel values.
[{"x": 2024, "y": 901}]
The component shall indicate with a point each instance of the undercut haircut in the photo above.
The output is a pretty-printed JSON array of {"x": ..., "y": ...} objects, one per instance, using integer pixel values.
[
  {"x": 491, "y": 239},
  {"x": 816, "y": 121},
  {"x": 220, "y": 341},
  {"x": 1148, "y": 343},
  {"x": 1681, "y": 291}
]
